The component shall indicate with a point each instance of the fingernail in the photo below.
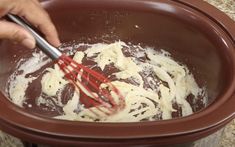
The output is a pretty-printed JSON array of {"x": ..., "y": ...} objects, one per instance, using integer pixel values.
[{"x": 29, "y": 43}]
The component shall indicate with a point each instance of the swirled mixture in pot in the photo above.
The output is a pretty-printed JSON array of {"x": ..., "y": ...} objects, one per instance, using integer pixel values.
[{"x": 154, "y": 85}]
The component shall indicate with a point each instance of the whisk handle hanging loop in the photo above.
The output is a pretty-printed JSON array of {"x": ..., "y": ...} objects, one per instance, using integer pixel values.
[{"x": 48, "y": 49}]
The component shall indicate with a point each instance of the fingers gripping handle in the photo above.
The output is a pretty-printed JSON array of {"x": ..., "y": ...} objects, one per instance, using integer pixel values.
[{"x": 48, "y": 49}]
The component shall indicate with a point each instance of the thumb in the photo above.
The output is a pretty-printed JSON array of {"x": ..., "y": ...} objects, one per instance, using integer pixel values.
[{"x": 16, "y": 33}]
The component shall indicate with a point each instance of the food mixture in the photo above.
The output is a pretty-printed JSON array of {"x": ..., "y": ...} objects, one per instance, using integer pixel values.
[{"x": 154, "y": 85}]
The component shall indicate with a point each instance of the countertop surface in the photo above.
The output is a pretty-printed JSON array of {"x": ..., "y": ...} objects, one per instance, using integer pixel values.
[{"x": 228, "y": 136}]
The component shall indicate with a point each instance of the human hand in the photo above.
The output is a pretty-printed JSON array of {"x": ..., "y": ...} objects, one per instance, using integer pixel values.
[{"x": 32, "y": 11}]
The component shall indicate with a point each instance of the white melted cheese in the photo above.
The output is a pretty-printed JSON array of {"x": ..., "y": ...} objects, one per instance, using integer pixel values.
[
  {"x": 17, "y": 89},
  {"x": 53, "y": 81},
  {"x": 180, "y": 84},
  {"x": 140, "y": 103},
  {"x": 19, "y": 83}
]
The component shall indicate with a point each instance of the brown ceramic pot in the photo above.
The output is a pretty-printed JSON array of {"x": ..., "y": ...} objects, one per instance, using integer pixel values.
[{"x": 193, "y": 31}]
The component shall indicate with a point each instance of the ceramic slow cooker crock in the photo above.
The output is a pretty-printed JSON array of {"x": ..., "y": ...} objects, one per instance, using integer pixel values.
[{"x": 193, "y": 31}]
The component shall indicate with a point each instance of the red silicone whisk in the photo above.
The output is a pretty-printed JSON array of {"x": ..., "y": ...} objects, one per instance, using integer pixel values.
[{"x": 88, "y": 81}]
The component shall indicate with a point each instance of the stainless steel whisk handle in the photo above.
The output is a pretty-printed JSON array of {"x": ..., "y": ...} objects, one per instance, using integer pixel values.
[{"x": 48, "y": 49}]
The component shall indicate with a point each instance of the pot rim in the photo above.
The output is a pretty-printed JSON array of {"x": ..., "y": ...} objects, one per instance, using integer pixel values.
[
  {"x": 214, "y": 14},
  {"x": 19, "y": 119}
]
